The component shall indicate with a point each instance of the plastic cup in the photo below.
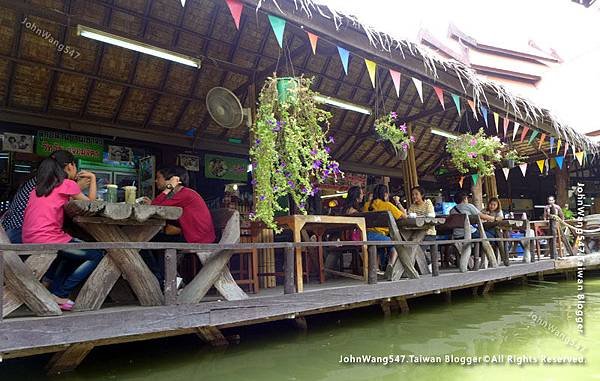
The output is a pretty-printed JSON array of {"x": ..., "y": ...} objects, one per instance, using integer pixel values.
[
  {"x": 111, "y": 194},
  {"x": 130, "y": 194}
]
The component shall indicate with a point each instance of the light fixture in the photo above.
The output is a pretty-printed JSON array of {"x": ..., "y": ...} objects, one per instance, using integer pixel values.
[
  {"x": 343, "y": 195},
  {"x": 443, "y": 133},
  {"x": 342, "y": 104},
  {"x": 141, "y": 47}
]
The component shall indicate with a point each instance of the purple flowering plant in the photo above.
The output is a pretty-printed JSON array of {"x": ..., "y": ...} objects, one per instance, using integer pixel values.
[
  {"x": 291, "y": 148},
  {"x": 387, "y": 129},
  {"x": 477, "y": 153}
]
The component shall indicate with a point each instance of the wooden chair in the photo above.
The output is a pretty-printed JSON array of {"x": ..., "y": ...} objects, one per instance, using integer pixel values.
[
  {"x": 444, "y": 232},
  {"x": 214, "y": 270}
]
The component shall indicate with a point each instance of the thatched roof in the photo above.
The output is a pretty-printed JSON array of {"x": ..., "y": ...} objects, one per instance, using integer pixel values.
[{"x": 111, "y": 91}]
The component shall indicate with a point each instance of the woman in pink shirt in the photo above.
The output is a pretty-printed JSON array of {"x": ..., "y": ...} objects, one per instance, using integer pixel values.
[{"x": 44, "y": 218}]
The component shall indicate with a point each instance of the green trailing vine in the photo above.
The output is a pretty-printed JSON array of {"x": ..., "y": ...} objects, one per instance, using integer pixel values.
[
  {"x": 290, "y": 153},
  {"x": 514, "y": 156},
  {"x": 398, "y": 136}
]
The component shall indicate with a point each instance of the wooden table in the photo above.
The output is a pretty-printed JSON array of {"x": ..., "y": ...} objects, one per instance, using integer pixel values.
[
  {"x": 413, "y": 229},
  {"x": 504, "y": 227},
  {"x": 108, "y": 222},
  {"x": 319, "y": 224}
]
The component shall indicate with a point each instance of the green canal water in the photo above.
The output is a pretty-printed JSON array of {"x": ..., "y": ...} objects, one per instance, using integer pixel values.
[{"x": 508, "y": 323}]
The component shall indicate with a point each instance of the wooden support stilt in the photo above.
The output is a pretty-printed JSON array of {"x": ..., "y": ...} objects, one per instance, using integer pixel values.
[
  {"x": 386, "y": 307},
  {"x": 448, "y": 297},
  {"x": 524, "y": 280},
  {"x": 475, "y": 290},
  {"x": 403, "y": 304},
  {"x": 300, "y": 323},
  {"x": 540, "y": 276},
  {"x": 212, "y": 335},
  {"x": 489, "y": 286},
  {"x": 69, "y": 359}
]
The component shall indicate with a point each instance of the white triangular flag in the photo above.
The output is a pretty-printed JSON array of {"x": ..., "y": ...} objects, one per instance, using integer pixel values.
[
  {"x": 516, "y": 128},
  {"x": 523, "y": 168},
  {"x": 419, "y": 86},
  {"x": 506, "y": 170},
  {"x": 183, "y": 3}
]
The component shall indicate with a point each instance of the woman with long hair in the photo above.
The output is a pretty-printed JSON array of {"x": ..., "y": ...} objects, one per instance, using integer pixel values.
[
  {"x": 354, "y": 201},
  {"x": 378, "y": 204},
  {"x": 44, "y": 218},
  {"x": 493, "y": 209}
]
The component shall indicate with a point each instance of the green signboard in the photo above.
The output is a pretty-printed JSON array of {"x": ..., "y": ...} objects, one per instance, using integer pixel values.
[
  {"x": 81, "y": 147},
  {"x": 225, "y": 168}
]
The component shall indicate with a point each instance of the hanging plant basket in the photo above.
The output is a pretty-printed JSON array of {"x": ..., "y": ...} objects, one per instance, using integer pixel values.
[
  {"x": 475, "y": 153},
  {"x": 397, "y": 136},
  {"x": 290, "y": 153},
  {"x": 512, "y": 158}
]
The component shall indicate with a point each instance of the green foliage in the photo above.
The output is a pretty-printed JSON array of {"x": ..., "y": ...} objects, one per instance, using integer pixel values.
[
  {"x": 477, "y": 153},
  {"x": 386, "y": 128},
  {"x": 568, "y": 214},
  {"x": 514, "y": 156},
  {"x": 289, "y": 155}
]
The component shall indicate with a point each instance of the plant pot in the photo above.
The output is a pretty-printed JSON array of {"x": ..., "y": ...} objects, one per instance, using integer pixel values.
[
  {"x": 402, "y": 154},
  {"x": 510, "y": 164},
  {"x": 285, "y": 89}
]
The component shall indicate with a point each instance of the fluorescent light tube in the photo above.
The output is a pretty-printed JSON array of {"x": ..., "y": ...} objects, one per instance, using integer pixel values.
[
  {"x": 126, "y": 43},
  {"x": 342, "y": 104},
  {"x": 443, "y": 133}
]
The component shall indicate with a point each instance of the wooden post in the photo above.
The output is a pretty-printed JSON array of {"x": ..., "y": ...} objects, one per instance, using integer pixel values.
[
  {"x": 372, "y": 264},
  {"x": 562, "y": 185},
  {"x": 403, "y": 303},
  {"x": 435, "y": 256},
  {"x": 170, "y": 277},
  {"x": 491, "y": 188},
  {"x": 477, "y": 257},
  {"x": 289, "y": 286},
  {"x": 477, "y": 190},
  {"x": 487, "y": 288},
  {"x": 1, "y": 284},
  {"x": 212, "y": 336},
  {"x": 448, "y": 296},
  {"x": 69, "y": 359},
  {"x": 300, "y": 323}
]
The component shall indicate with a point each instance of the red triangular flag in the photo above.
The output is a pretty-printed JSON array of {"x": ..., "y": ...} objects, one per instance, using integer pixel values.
[
  {"x": 313, "y": 41},
  {"x": 235, "y": 7},
  {"x": 542, "y": 141},
  {"x": 396, "y": 79},
  {"x": 440, "y": 94},
  {"x": 472, "y": 105},
  {"x": 525, "y": 130}
]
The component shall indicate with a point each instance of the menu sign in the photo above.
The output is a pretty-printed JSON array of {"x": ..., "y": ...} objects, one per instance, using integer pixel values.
[{"x": 81, "y": 147}]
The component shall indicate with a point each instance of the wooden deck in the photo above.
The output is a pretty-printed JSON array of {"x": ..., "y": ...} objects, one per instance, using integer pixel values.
[{"x": 25, "y": 336}]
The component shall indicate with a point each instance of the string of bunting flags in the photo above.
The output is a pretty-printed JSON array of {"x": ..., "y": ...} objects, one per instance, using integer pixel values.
[{"x": 278, "y": 25}]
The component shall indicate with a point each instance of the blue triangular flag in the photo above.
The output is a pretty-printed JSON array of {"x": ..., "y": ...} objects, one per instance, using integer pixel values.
[
  {"x": 456, "y": 100},
  {"x": 191, "y": 132},
  {"x": 484, "y": 112},
  {"x": 559, "y": 161},
  {"x": 278, "y": 25},
  {"x": 344, "y": 55}
]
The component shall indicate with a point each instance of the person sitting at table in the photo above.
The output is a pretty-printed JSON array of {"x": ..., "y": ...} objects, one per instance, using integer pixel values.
[
  {"x": 494, "y": 209},
  {"x": 44, "y": 218},
  {"x": 463, "y": 206},
  {"x": 380, "y": 194},
  {"x": 195, "y": 224},
  {"x": 354, "y": 201},
  {"x": 422, "y": 207},
  {"x": 552, "y": 209},
  {"x": 12, "y": 220}
]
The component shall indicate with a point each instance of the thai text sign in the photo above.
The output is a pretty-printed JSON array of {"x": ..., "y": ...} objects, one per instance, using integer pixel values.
[{"x": 81, "y": 147}]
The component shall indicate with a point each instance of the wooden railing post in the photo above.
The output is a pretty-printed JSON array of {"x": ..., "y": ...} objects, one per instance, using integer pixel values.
[
  {"x": 552, "y": 222},
  {"x": 435, "y": 266},
  {"x": 373, "y": 264},
  {"x": 1, "y": 284},
  {"x": 289, "y": 285},
  {"x": 170, "y": 285}
]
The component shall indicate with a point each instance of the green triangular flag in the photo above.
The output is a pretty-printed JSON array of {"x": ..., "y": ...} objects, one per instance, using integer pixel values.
[
  {"x": 533, "y": 135},
  {"x": 278, "y": 25},
  {"x": 456, "y": 100},
  {"x": 475, "y": 176}
]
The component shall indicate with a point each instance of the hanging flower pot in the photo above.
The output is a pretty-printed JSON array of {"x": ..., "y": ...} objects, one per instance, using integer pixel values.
[
  {"x": 477, "y": 153},
  {"x": 290, "y": 153},
  {"x": 510, "y": 163},
  {"x": 512, "y": 158},
  {"x": 286, "y": 87},
  {"x": 398, "y": 136}
]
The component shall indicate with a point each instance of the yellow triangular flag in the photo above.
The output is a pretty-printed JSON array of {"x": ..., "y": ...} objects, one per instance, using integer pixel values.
[
  {"x": 579, "y": 156},
  {"x": 540, "y": 164},
  {"x": 558, "y": 145},
  {"x": 496, "y": 120},
  {"x": 372, "y": 68}
]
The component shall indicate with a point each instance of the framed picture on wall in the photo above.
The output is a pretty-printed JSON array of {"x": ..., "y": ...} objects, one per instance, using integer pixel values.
[
  {"x": 189, "y": 162},
  {"x": 120, "y": 153},
  {"x": 17, "y": 143},
  {"x": 147, "y": 176}
]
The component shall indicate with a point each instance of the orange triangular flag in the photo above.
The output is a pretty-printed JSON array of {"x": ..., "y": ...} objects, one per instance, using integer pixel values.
[
  {"x": 371, "y": 68},
  {"x": 235, "y": 7},
  {"x": 542, "y": 141},
  {"x": 460, "y": 182},
  {"x": 440, "y": 94},
  {"x": 524, "y": 133},
  {"x": 579, "y": 156},
  {"x": 472, "y": 105},
  {"x": 396, "y": 79},
  {"x": 313, "y": 41},
  {"x": 540, "y": 164},
  {"x": 506, "y": 122}
]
